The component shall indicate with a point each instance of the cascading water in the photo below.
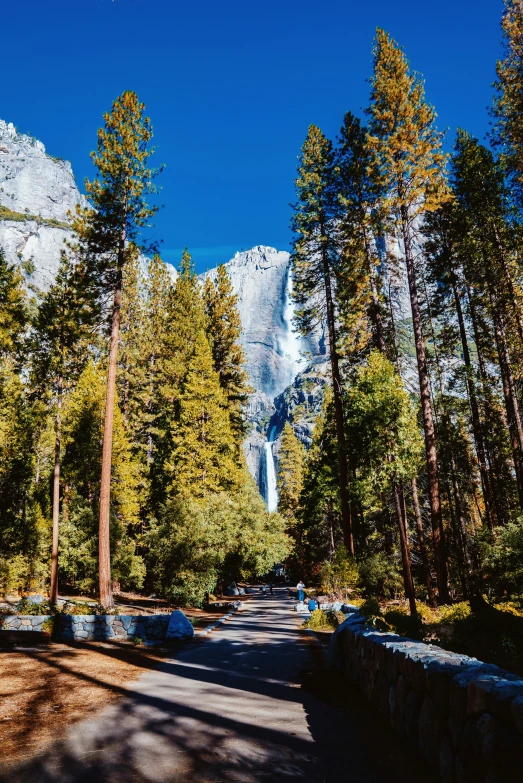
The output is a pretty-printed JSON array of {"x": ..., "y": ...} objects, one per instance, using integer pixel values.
[
  {"x": 271, "y": 493},
  {"x": 290, "y": 342}
]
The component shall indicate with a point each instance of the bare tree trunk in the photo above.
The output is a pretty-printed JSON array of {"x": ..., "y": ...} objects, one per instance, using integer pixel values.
[
  {"x": 421, "y": 541},
  {"x": 53, "y": 594},
  {"x": 405, "y": 551},
  {"x": 104, "y": 544},
  {"x": 474, "y": 409},
  {"x": 438, "y": 535},
  {"x": 346, "y": 515},
  {"x": 511, "y": 402}
]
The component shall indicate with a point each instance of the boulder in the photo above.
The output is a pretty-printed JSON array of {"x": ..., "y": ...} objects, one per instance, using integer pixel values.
[
  {"x": 231, "y": 590},
  {"x": 179, "y": 627}
]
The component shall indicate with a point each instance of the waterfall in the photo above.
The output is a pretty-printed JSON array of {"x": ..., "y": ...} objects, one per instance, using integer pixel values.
[
  {"x": 289, "y": 343},
  {"x": 271, "y": 493}
]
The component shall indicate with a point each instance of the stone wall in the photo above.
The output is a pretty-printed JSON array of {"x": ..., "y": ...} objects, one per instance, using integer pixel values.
[
  {"x": 89, "y": 627},
  {"x": 463, "y": 717},
  {"x": 22, "y": 622}
]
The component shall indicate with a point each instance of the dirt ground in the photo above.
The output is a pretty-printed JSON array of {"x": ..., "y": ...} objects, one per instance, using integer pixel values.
[{"x": 45, "y": 687}]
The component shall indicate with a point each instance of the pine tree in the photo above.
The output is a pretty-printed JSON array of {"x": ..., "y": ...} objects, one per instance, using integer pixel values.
[
  {"x": 62, "y": 331},
  {"x": 508, "y": 102},
  {"x": 314, "y": 263},
  {"x": 13, "y": 309},
  {"x": 291, "y": 457},
  {"x": 109, "y": 232},
  {"x": 224, "y": 330},
  {"x": 184, "y": 320},
  {"x": 410, "y": 163},
  {"x": 204, "y": 458}
]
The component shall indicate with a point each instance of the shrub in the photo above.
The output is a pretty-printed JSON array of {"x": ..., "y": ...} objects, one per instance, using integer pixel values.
[
  {"x": 27, "y": 607},
  {"x": 405, "y": 624},
  {"x": 320, "y": 620},
  {"x": 370, "y": 608},
  {"x": 380, "y": 575},
  {"x": 70, "y": 607},
  {"x": 340, "y": 576},
  {"x": 503, "y": 559}
]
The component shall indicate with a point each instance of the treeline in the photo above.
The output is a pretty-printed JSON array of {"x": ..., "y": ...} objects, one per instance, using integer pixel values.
[
  {"x": 122, "y": 394},
  {"x": 413, "y": 257}
]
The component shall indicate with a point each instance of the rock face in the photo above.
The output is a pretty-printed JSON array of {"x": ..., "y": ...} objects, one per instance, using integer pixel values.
[
  {"x": 261, "y": 279},
  {"x": 36, "y": 193}
]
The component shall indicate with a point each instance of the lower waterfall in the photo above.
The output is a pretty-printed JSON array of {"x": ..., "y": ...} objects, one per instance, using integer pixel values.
[{"x": 271, "y": 493}]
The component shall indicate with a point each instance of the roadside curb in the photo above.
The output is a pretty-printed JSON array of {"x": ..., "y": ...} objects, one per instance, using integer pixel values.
[{"x": 207, "y": 630}]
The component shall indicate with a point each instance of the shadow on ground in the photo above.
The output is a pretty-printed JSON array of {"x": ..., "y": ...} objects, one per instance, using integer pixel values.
[{"x": 252, "y": 703}]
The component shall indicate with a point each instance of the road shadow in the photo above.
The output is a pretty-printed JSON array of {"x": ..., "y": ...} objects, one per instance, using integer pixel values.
[{"x": 253, "y": 703}]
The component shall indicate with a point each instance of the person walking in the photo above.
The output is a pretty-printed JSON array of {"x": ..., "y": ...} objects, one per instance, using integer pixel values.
[
  {"x": 301, "y": 591},
  {"x": 270, "y": 588}
]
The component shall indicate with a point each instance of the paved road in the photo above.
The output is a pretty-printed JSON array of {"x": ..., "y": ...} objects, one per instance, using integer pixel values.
[{"x": 248, "y": 704}]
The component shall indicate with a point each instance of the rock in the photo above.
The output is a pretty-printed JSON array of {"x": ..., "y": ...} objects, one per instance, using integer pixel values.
[
  {"x": 36, "y": 599},
  {"x": 301, "y": 607},
  {"x": 231, "y": 590},
  {"x": 179, "y": 627}
]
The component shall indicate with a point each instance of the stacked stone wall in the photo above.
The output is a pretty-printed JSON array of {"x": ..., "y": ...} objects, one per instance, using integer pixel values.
[{"x": 463, "y": 717}]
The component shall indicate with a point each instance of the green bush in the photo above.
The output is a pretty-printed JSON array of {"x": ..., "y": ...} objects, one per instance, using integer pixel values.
[
  {"x": 370, "y": 608},
  {"x": 380, "y": 575},
  {"x": 405, "y": 624},
  {"x": 48, "y": 625},
  {"x": 27, "y": 607},
  {"x": 340, "y": 576},
  {"x": 70, "y": 607},
  {"x": 503, "y": 559},
  {"x": 320, "y": 620}
]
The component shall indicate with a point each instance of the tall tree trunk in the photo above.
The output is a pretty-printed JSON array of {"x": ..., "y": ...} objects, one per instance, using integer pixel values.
[
  {"x": 405, "y": 551},
  {"x": 346, "y": 515},
  {"x": 438, "y": 535},
  {"x": 422, "y": 545},
  {"x": 511, "y": 402},
  {"x": 500, "y": 513},
  {"x": 104, "y": 544},
  {"x": 477, "y": 428},
  {"x": 53, "y": 594}
]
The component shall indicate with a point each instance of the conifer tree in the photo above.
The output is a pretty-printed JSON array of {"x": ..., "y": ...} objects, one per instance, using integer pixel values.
[
  {"x": 184, "y": 320},
  {"x": 109, "y": 232},
  {"x": 314, "y": 264},
  {"x": 224, "y": 330},
  {"x": 62, "y": 331},
  {"x": 13, "y": 309},
  {"x": 204, "y": 457},
  {"x": 508, "y": 102},
  {"x": 291, "y": 457},
  {"x": 410, "y": 163}
]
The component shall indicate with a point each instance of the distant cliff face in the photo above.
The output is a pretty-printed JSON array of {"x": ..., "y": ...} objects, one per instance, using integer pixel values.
[
  {"x": 260, "y": 278},
  {"x": 36, "y": 193}
]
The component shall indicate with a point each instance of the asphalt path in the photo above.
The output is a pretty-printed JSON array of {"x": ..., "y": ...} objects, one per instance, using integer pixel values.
[{"x": 251, "y": 702}]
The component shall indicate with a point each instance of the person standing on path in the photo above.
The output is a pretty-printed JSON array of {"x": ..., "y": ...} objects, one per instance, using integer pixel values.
[{"x": 301, "y": 593}]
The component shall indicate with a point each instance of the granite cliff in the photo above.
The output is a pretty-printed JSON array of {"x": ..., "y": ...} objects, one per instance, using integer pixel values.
[{"x": 37, "y": 192}]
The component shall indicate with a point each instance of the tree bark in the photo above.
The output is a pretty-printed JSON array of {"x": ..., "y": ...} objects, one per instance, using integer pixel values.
[
  {"x": 53, "y": 593},
  {"x": 421, "y": 541},
  {"x": 474, "y": 409},
  {"x": 104, "y": 544},
  {"x": 405, "y": 551},
  {"x": 438, "y": 535},
  {"x": 346, "y": 515},
  {"x": 511, "y": 402}
]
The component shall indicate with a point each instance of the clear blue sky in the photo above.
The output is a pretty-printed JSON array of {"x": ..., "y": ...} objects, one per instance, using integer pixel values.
[{"x": 231, "y": 87}]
